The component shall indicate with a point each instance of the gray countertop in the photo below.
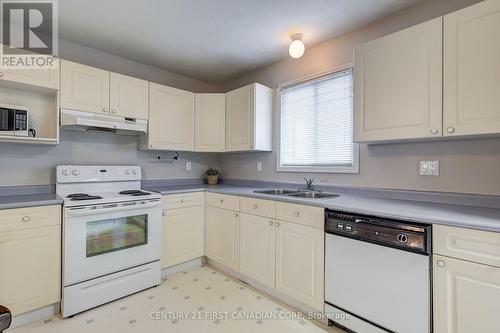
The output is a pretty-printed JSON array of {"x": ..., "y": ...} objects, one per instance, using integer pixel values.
[
  {"x": 29, "y": 200},
  {"x": 475, "y": 217}
]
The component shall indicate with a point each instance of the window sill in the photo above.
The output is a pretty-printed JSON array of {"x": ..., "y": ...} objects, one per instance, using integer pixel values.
[{"x": 304, "y": 169}]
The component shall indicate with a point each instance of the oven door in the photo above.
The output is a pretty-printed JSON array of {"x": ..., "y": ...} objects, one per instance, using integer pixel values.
[{"x": 103, "y": 239}]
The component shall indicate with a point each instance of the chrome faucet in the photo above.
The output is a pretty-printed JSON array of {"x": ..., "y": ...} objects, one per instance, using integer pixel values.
[{"x": 309, "y": 184}]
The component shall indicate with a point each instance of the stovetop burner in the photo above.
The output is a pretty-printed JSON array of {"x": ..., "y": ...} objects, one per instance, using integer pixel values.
[
  {"x": 134, "y": 193},
  {"x": 83, "y": 196}
]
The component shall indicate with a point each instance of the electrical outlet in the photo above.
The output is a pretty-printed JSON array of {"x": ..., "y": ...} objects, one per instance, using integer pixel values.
[
  {"x": 429, "y": 168},
  {"x": 188, "y": 166},
  {"x": 259, "y": 166}
]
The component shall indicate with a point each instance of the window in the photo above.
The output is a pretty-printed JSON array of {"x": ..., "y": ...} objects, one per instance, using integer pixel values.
[{"x": 316, "y": 133}]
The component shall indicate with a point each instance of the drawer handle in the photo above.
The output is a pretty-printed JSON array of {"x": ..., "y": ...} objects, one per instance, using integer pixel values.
[
  {"x": 26, "y": 218},
  {"x": 236, "y": 215},
  {"x": 271, "y": 223},
  {"x": 1, "y": 74},
  {"x": 297, "y": 214},
  {"x": 441, "y": 263},
  {"x": 182, "y": 200},
  {"x": 254, "y": 206},
  {"x": 221, "y": 201},
  {"x": 164, "y": 214},
  {"x": 277, "y": 224}
]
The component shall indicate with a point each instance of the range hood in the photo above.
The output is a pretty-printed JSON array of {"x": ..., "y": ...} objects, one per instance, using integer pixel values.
[{"x": 93, "y": 122}]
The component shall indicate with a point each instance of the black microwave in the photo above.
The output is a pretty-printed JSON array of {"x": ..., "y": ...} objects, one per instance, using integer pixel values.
[{"x": 13, "y": 120}]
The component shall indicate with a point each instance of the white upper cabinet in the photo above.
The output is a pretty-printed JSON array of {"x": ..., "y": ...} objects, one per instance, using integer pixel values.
[
  {"x": 472, "y": 70},
  {"x": 84, "y": 88},
  {"x": 46, "y": 78},
  {"x": 129, "y": 96},
  {"x": 210, "y": 122},
  {"x": 398, "y": 85},
  {"x": 249, "y": 118},
  {"x": 171, "y": 118}
]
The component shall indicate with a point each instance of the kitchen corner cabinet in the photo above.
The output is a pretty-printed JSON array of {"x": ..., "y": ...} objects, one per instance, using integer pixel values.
[
  {"x": 257, "y": 248},
  {"x": 210, "y": 122},
  {"x": 183, "y": 228},
  {"x": 223, "y": 236},
  {"x": 466, "y": 280},
  {"x": 300, "y": 263},
  {"x": 397, "y": 85},
  {"x": 249, "y": 118},
  {"x": 30, "y": 258},
  {"x": 129, "y": 97},
  {"x": 472, "y": 70},
  {"x": 84, "y": 88},
  {"x": 171, "y": 119}
]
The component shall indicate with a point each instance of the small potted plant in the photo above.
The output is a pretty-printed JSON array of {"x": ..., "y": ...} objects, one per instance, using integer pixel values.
[{"x": 212, "y": 176}]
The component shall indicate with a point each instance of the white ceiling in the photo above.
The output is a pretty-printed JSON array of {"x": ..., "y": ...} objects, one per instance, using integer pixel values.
[{"x": 212, "y": 40}]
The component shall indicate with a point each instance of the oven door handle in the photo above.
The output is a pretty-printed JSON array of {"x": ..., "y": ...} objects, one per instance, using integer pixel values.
[{"x": 109, "y": 208}]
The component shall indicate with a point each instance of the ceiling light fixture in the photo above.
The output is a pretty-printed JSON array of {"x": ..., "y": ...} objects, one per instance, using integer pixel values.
[{"x": 297, "y": 47}]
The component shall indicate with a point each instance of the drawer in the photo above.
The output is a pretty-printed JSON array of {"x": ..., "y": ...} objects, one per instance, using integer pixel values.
[
  {"x": 473, "y": 245},
  {"x": 181, "y": 200},
  {"x": 300, "y": 214},
  {"x": 223, "y": 201},
  {"x": 258, "y": 207},
  {"x": 30, "y": 217}
]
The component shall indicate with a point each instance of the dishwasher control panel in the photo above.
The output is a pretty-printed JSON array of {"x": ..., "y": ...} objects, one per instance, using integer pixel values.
[{"x": 410, "y": 236}]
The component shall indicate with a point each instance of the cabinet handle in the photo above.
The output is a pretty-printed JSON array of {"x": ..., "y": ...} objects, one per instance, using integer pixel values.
[
  {"x": 254, "y": 206},
  {"x": 1, "y": 74},
  {"x": 113, "y": 111},
  {"x": 164, "y": 214},
  {"x": 221, "y": 201},
  {"x": 277, "y": 224},
  {"x": 236, "y": 215},
  {"x": 441, "y": 263},
  {"x": 297, "y": 214},
  {"x": 271, "y": 223},
  {"x": 152, "y": 146},
  {"x": 182, "y": 200},
  {"x": 451, "y": 130},
  {"x": 104, "y": 110},
  {"x": 26, "y": 219},
  {"x": 434, "y": 131}
]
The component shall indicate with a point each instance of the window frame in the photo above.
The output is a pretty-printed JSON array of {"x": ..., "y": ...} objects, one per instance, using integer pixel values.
[{"x": 354, "y": 169}]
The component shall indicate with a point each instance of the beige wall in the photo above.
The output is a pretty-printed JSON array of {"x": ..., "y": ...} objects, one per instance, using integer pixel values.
[{"x": 469, "y": 166}]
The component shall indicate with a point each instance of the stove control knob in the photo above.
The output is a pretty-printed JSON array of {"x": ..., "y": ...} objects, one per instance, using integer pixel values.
[
  {"x": 75, "y": 172},
  {"x": 65, "y": 172},
  {"x": 127, "y": 172},
  {"x": 134, "y": 171}
]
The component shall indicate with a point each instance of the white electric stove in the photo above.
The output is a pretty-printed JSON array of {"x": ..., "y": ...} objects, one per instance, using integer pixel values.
[{"x": 111, "y": 235}]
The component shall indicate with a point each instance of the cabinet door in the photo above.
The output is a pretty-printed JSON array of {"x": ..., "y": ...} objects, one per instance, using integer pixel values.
[
  {"x": 300, "y": 263},
  {"x": 466, "y": 296},
  {"x": 472, "y": 70},
  {"x": 183, "y": 233},
  {"x": 240, "y": 119},
  {"x": 46, "y": 78},
  {"x": 84, "y": 88},
  {"x": 171, "y": 118},
  {"x": 30, "y": 268},
  {"x": 210, "y": 122},
  {"x": 129, "y": 97},
  {"x": 397, "y": 85},
  {"x": 257, "y": 248},
  {"x": 223, "y": 237}
]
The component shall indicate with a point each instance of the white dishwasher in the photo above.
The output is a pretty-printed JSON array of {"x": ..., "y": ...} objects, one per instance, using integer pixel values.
[{"x": 377, "y": 274}]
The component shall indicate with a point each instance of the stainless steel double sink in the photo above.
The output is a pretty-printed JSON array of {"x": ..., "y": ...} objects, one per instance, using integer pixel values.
[{"x": 298, "y": 193}]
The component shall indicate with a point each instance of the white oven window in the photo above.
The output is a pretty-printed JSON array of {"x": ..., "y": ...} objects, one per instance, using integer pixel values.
[{"x": 111, "y": 235}]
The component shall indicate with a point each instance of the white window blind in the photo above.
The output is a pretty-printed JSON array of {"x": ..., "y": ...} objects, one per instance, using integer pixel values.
[{"x": 317, "y": 124}]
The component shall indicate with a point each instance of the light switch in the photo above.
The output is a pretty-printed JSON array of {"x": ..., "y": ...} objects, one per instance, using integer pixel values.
[
  {"x": 188, "y": 166},
  {"x": 259, "y": 166},
  {"x": 429, "y": 168}
]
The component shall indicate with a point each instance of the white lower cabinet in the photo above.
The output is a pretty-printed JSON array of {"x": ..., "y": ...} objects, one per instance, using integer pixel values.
[
  {"x": 183, "y": 235},
  {"x": 30, "y": 259},
  {"x": 257, "y": 248},
  {"x": 300, "y": 263},
  {"x": 223, "y": 237},
  {"x": 466, "y": 296}
]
